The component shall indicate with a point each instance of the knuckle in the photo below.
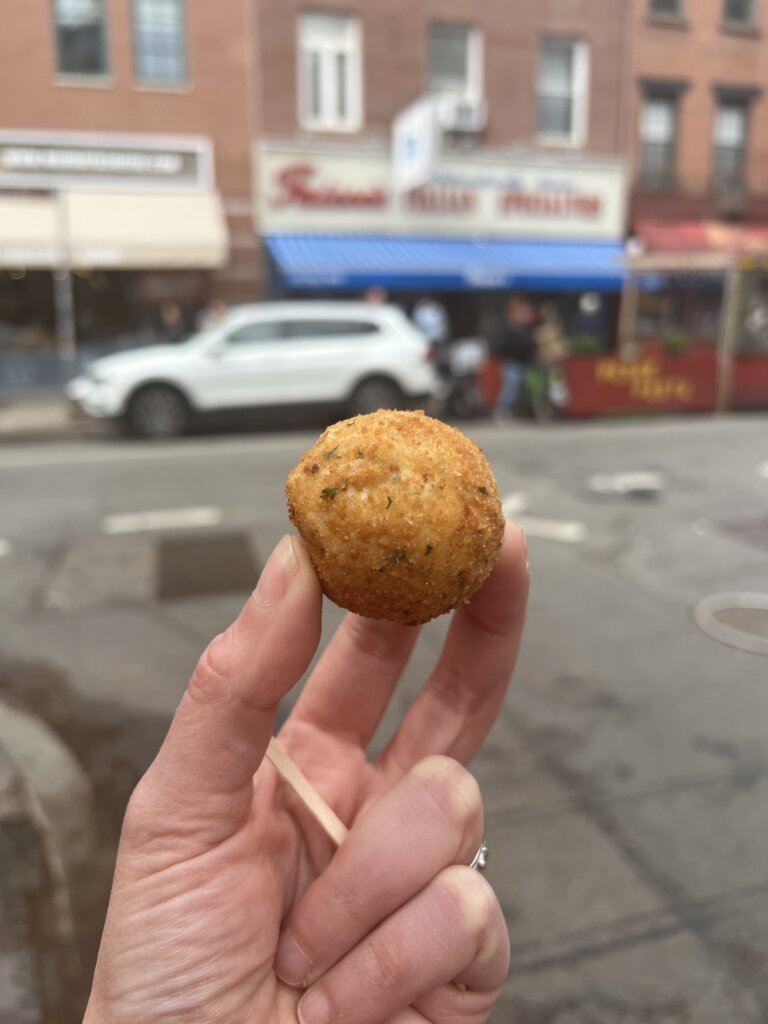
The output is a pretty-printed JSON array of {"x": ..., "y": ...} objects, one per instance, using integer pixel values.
[
  {"x": 138, "y": 812},
  {"x": 473, "y": 900},
  {"x": 454, "y": 789},
  {"x": 210, "y": 680},
  {"x": 383, "y": 968}
]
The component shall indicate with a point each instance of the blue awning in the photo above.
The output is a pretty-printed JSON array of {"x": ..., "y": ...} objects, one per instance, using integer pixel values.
[{"x": 408, "y": 263}]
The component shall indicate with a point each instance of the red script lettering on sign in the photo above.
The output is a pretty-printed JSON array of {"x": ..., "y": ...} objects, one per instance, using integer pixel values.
[{"x": 297, "y": 186}]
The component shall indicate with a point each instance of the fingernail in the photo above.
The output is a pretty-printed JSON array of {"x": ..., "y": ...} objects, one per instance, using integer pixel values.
[
  {"x": 292, "y": 965},
  {"x": 314, "y": 1008},
  {"x": 277, "y": 573}
]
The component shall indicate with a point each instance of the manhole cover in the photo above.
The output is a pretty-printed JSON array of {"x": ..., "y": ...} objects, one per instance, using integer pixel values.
[
  {"x": 749, "y": 531},
  {"x": 192, "y": 566},
  {"x": 739, "y": 620}
]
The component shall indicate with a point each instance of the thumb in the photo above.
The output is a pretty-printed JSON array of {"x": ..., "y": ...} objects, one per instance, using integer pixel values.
[{"x": 200, "y": 784}]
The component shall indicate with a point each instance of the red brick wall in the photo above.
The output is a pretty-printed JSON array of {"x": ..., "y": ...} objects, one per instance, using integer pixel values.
[
  {"x": 395, "y": 44},
  {"x": 217, "y": 102},
  {"x": 699, "y": 52}
]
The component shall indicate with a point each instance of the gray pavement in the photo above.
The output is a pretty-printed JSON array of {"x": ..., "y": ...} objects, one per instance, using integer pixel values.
[{"x": 626, "y": 783}]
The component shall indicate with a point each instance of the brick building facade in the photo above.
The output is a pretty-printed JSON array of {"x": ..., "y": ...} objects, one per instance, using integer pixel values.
[
  {"x": 151, "y": 104},
  {"x": 699, "y": 110}
]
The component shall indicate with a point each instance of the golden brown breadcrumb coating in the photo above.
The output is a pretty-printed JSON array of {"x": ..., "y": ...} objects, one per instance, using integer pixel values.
[{"x": 400, "y": 514}]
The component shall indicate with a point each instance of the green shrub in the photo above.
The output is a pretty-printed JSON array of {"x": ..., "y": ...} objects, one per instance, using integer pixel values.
[
  {"x": 584, "y": 344},
  {"x": 675, "y": 341}
]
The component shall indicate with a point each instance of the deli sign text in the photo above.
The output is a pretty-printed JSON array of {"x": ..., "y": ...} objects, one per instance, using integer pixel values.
[{"x": 352, "y": 192}]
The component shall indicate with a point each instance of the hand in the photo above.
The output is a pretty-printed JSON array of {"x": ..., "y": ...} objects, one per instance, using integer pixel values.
[{"x": 229, "y": 903}]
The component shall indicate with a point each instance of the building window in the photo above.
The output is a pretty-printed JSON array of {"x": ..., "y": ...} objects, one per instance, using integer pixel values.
[
  {"x": 667, "y": 8},
  {"x": 330, "y": 85},
  {"x": 81, "y": 37},
  {"x": 159, "y": 41},
  {"x": 454, "y": 60},
  {"x": 738, "y": 12},
  {"x": 562, "y": 88},
  {"x": 730, "y": 145},
  {"x": 658, "y": 128}
]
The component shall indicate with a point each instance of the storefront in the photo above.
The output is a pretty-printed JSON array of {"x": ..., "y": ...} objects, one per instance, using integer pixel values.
[
  {"x": 490, "y": 223},
  {"x": 97, "y": 232}
]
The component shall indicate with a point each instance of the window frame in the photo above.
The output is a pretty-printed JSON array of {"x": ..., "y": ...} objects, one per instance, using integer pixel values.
[
  {"x": 354, "y": 79},
  {"x": 670, "y": 92},
  {"x": 161, "y": 83},
  {"x": 83, "y": 77},
  {"x": 719, "y": 184},
  {"x": 677, "y": 15},
  {"x": 580, "y": 96},
  {"x": 736, "y": 23},
  {"x": 474, "y": 86}
]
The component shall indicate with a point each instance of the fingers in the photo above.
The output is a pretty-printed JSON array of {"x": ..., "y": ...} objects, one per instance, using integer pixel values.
[
  {"x": 200, "y": 784},
  {"x": 431, "y": 819},
  {"x": 453, "y": 930},
  {"x": 460, "y": 702},
  {"x": 354, "y": 680}
]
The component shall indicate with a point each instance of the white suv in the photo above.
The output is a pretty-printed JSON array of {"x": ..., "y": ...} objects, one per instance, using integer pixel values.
[{"x": 356, "y": 357}]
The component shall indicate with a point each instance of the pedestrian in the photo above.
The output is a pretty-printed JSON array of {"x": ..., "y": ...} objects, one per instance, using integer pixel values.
[
  {"x": 172, "y": 326},
  {"x": 432, "y": 320},
  {"x": 230, "y": 904},
  {"x": 376, "y": 295},
  {"x": 516, "y": 350}
]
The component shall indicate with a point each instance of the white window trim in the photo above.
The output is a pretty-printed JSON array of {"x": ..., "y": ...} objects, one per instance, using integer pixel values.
[
  {"x": 475, "y": 66},
  {"x": 577, "y": 137},
  {"x": 474, "y": 89},
  {"x": 355, "y": 118}
]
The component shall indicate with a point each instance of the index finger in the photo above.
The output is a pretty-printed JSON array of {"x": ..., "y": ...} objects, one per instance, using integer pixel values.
[{"x": 460, "y": 701}]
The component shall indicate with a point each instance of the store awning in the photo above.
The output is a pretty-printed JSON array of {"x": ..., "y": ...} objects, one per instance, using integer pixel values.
[
  {"x": 408, "y": 263},
  {"x": 27, "y": 232},
  {"x": 117, "y": 230},
  {"x": 698, "y": 237}
]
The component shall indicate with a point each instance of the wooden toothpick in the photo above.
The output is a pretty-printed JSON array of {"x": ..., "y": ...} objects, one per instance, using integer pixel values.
[{"x": 331, "y": 823}]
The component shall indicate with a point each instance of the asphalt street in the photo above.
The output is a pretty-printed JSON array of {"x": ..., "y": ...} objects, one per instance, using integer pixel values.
[{"x": 626, "y": 783}]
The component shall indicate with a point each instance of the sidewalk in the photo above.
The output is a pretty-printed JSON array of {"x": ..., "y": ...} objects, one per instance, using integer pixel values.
[{"x": 38, "y": 416}]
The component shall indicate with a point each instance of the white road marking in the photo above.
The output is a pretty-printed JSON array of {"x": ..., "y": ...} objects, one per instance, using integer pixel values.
[
  {"x": 514, "y": 504},
  {"x": 74, "y": 457},
  {"x": 162, "y": 519},
  {"x": 762, "y": 470},
  {"x": 636, "y": 481},
  {"x": 5, "y": 547},
  {"x": 564, "y": 531}
]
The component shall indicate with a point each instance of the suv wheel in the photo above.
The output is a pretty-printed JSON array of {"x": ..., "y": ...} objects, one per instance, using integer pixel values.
[
  {"x": 157, "y": 411},
  {"x": 374, "y": 394}
]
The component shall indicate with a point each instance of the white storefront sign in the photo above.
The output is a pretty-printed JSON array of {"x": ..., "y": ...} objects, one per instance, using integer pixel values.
[
  {"x": 306, "y": 187},
  {"x": 415, "y": 146}
]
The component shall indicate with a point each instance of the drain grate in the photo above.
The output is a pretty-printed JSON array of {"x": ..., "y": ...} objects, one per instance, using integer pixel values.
[
  {"x": 195, "y": 566},
  {"x": 739, "y": 620}
]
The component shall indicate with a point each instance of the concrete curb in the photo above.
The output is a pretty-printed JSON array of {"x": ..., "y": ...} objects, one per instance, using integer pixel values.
[{"x": 47, "y": 833}]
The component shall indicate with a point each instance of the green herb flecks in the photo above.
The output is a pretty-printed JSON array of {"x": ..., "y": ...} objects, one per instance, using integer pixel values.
[
  {"x": 428, "y": 549},
  {"x": 393, "y": 558},
  {"x": 483, "y": 490},
  {"x": 360, "y": 454},
  {"x": 331, "y": 454},
  {"x": 389, "y": 500},
  {"x": 329, "y": 493}
]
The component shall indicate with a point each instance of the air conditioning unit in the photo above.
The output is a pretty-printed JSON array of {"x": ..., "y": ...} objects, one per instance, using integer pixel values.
[{"x": 459, "y": 114}]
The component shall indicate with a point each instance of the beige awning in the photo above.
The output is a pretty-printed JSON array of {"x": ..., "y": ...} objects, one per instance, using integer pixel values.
[
  {"x": 118, "y": 230},
  {"x": 27, "y": 232}
]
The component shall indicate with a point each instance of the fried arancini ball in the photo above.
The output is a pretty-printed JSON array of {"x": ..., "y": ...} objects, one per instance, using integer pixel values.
[{"x": 400, "y": 514}]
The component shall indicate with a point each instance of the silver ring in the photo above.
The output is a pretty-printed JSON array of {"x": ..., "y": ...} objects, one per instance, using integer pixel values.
[{"x": 480, "y": 860}]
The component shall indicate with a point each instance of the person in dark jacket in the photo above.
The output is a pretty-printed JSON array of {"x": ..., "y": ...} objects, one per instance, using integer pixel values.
[{"x": 516, "y": 351}]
